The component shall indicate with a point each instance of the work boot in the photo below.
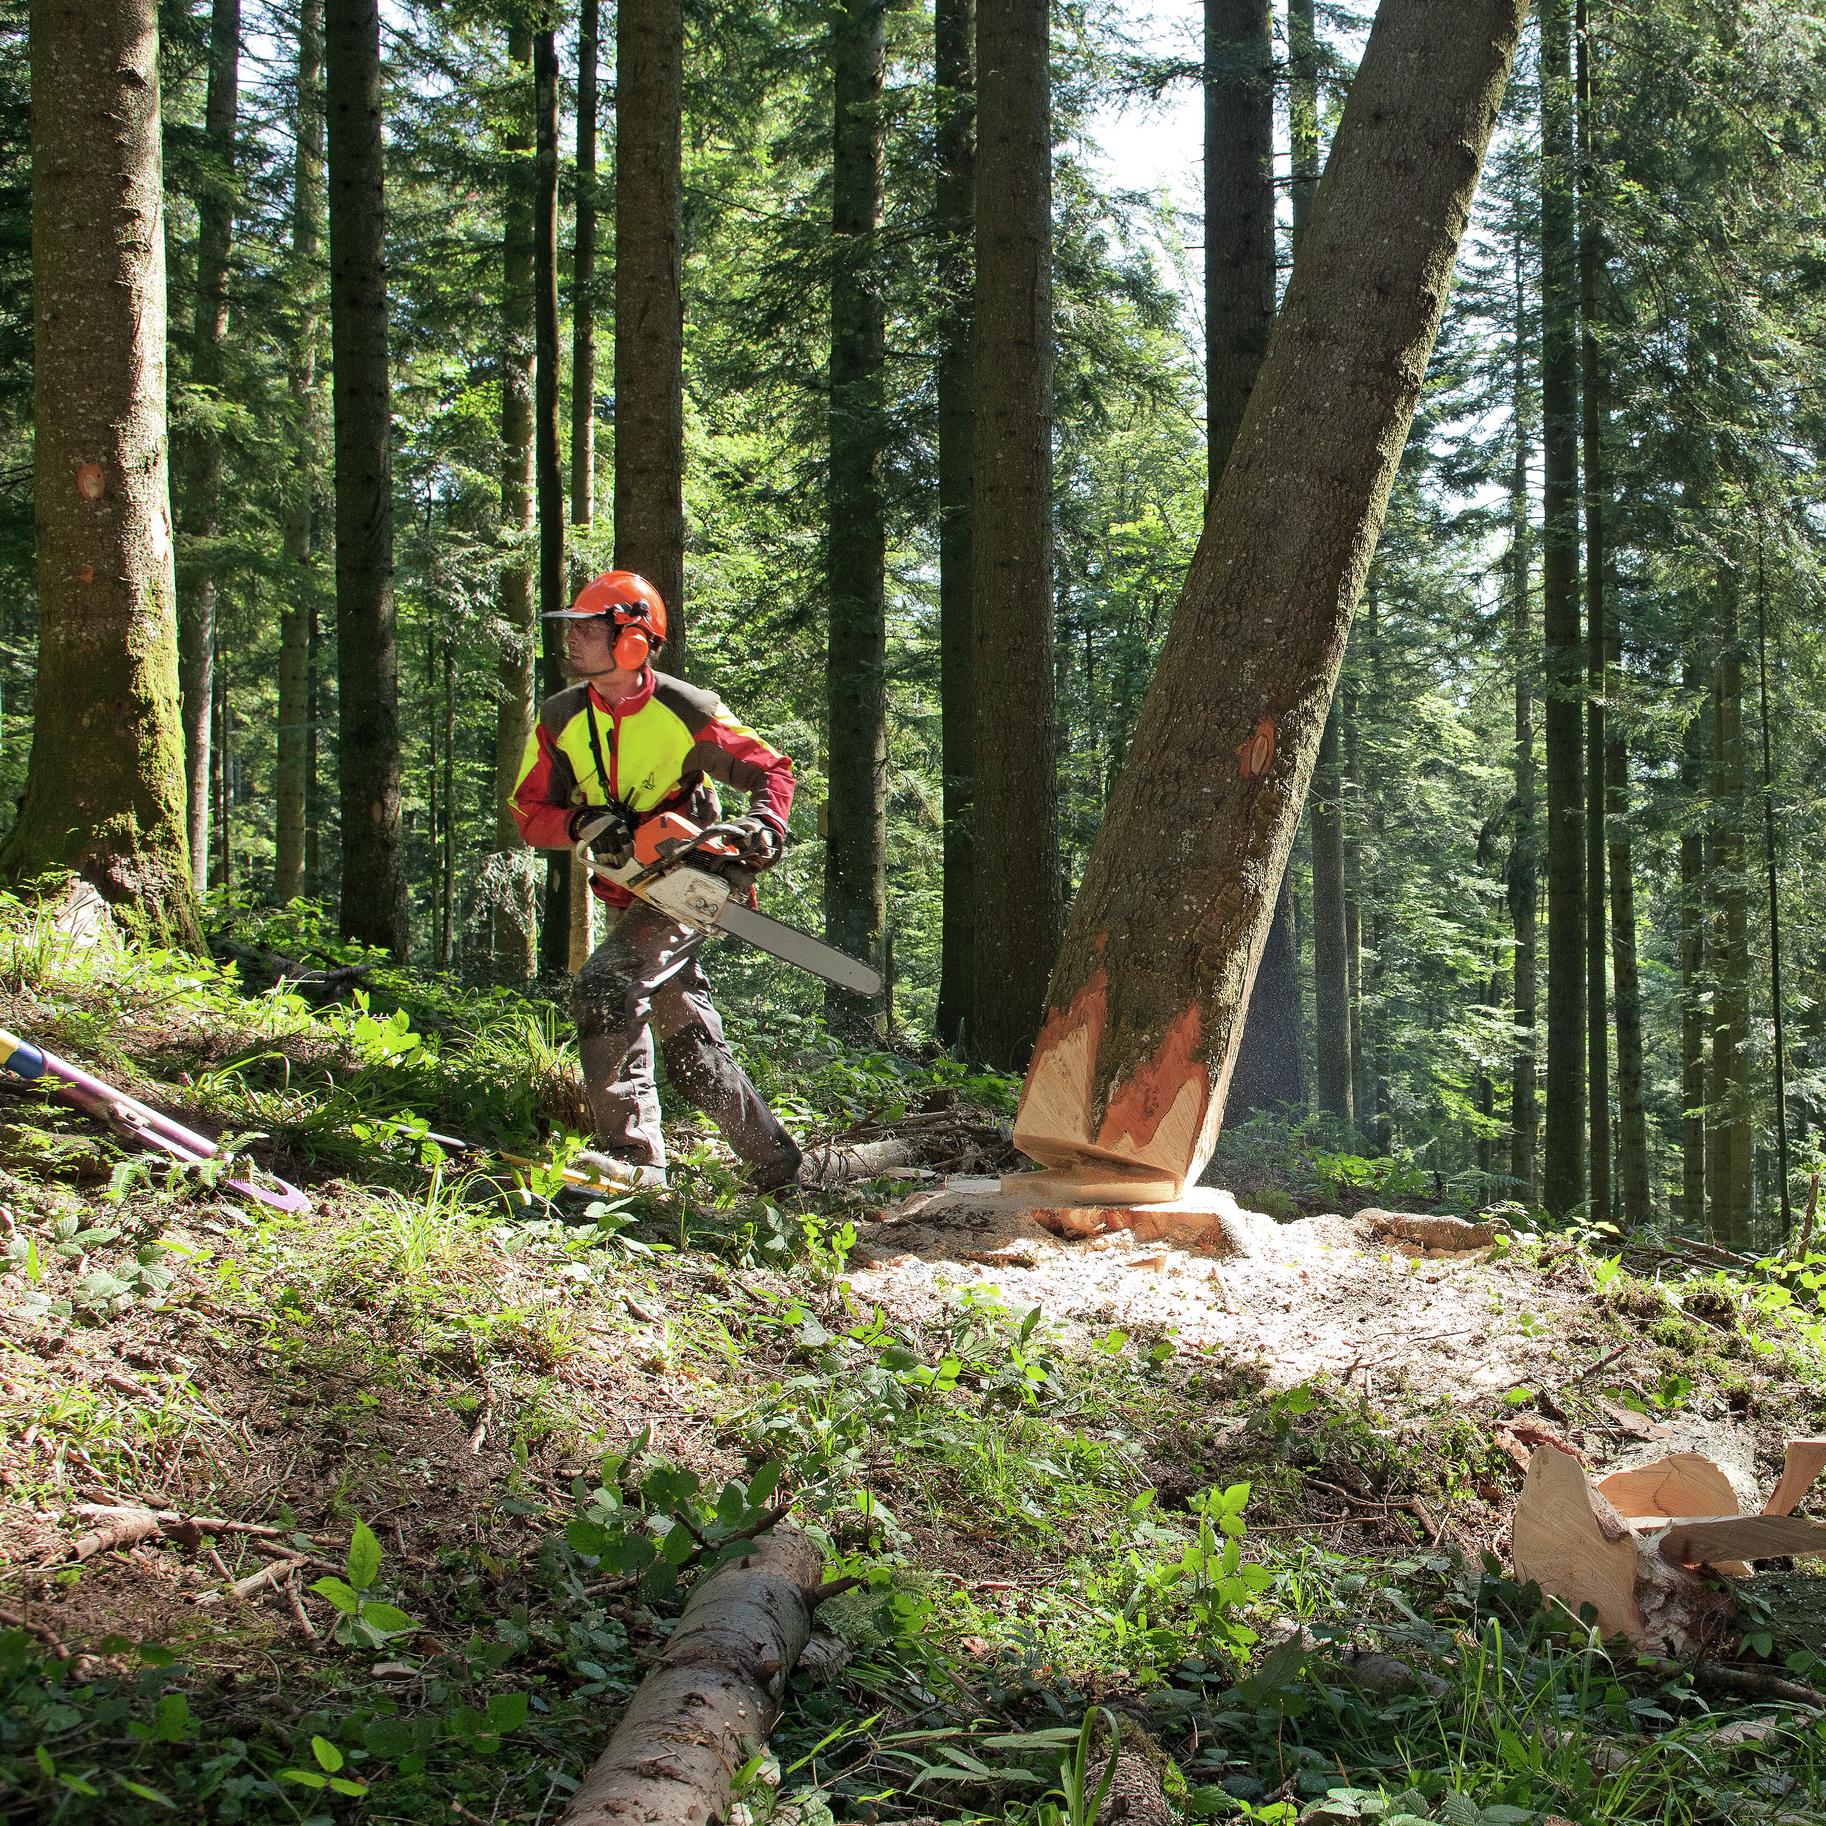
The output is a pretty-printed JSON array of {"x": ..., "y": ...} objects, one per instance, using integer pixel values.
[
  {"x": 617, "y": 1174},
  {"x": 779, "y": 1170}
]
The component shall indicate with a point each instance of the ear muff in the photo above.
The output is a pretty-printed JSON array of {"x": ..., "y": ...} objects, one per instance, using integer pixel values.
[{"x": 632, "y": 645}]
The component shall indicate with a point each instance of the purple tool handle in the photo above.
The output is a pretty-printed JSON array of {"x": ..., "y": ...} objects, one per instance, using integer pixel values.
[{"x": 98, "y": 1099}]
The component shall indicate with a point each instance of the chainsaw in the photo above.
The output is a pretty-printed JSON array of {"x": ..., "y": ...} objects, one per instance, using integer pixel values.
[{"x": 680, "y": 870}]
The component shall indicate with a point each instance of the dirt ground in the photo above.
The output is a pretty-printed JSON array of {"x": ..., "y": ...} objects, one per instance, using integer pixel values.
[{"x": 1314, "y": 1296}]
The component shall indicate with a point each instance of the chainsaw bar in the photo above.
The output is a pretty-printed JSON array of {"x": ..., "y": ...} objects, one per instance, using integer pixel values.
[{"x": 792, "y": 946}]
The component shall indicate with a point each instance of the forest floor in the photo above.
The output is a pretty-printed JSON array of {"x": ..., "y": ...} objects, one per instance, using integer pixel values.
[{"x": 483, "y": 1434}]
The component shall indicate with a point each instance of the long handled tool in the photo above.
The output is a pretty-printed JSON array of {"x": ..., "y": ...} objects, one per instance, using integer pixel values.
[{"x": 132, "y": 1118}]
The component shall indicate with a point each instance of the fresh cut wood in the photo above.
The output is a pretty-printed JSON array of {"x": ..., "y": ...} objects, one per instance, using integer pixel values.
[
  {"x": 713, "y": 1696},
  {"x": 1146, "y": 1002}
]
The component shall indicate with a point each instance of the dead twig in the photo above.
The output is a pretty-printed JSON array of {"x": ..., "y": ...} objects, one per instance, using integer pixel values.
[{"x": 272, "y": 1573}]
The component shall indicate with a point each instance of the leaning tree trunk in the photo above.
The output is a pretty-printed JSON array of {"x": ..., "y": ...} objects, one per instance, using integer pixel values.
[
  {"x": 303, "y": 504},
  {"x": 855, "y": 679},
  {"x": 649, "y": 350},
  {"x": 1018, "y": 899},
  {"x": 1239, "y": 314},
  {"x": 706, "y": 1707},
  {"x": 954, "y": 209},
  {"x": 374, "y": 906},
  {"x": 1563, "y": 1144},
  {"x": 512, "y": 915},
  {"x": 105, "y": 792},
  {"x": 201, "y": 451},
  {"x": 1144, "y": 1011}
]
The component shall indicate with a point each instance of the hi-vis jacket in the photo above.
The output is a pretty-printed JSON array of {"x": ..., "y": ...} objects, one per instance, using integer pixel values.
[{"x": 658, "y": 750}]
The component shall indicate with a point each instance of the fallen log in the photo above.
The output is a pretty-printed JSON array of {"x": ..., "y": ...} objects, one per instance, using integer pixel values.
[{"x": 713, "y": 1696}]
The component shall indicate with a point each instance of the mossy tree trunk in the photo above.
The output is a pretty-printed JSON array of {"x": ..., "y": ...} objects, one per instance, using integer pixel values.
[
  {"x": 1144, "y": 1012},
  {"x": 856, "y": 697},
  {"x": 374, "y": 906},
  {"x": 1728, "y": 1101},
  {"x": 1016, "y": 815},
  {"x": 105, "y": 792}
]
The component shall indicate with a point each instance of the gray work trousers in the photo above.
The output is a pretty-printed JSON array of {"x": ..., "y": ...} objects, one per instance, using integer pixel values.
[{"x": 642, "y": 983}]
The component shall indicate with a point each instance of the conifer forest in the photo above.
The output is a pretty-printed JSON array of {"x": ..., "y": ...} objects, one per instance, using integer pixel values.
[{"x": 1234, "y": 594}]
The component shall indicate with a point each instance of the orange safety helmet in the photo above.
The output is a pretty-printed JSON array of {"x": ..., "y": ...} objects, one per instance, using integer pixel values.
[{"x": 636, "y": 606}]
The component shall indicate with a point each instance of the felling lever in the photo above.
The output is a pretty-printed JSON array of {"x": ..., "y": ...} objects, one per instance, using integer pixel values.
[{"x": 131, "y": 1117}]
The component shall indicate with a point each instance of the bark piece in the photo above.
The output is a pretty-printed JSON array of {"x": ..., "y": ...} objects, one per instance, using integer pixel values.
[
  {"x": 1429, "y": 1230},
  {"x": 712, "y": 1698},
  {"x": 1133, "y": 1061},
  {"x": 1804, "y": 1460}
]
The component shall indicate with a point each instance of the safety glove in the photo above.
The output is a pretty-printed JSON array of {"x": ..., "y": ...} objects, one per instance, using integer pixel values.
[
  {"x": 756, "y": 841},
  {"x": 614, "y": 843}
]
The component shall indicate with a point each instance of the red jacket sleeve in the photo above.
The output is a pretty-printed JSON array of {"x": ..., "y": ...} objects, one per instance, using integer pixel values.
[
  {"x": 731, "y": 752},
  {"x": 541, "y": 799}
]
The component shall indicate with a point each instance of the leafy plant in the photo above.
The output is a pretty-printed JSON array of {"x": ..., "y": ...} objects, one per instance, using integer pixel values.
[{"x": 363, "y": 1621}]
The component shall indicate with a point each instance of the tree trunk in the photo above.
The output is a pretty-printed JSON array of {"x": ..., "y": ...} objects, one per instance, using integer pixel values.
[
  {"x": 1330, "y": 980},
  {"x": 447, "y": 870},
  {"x": 1239, "y": 314},
  {"x": 1563, "y": 1182},
  {"x": 1695, "y": 750},
  {"x": 1771, "y": 866},
  {"x": 856, "y": 699},
  {"x": 583, "y": 286},
  {"x": 512, "y": 915},
  {"x": 954, "y": 206},
  {"x": 1361, "y": 1092},
  {"x": 1611, "y": 788},
  {"x": 1018, "y": 902},
  {"x": 221, "y": 782},
  {"x": 201, "y": 458},
  {"x": 649, "y": 395},
  {"x": 1524, "y": 884},
  {"x": 105, "y": 792},
  {"x": 1728, "y": 1145},
  {"x": 1144, "y": 1011},
  {"x": 303, "y": 504},
  {"x": 374, "y": 907},
  {"x": 1597, "y": 616},
  {"x": 556, "y": 946},
  {"x": 1239, "y": 215}
]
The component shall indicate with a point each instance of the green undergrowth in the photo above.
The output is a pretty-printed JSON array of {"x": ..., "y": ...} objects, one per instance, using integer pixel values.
[{"x": 506, "y": 1433}]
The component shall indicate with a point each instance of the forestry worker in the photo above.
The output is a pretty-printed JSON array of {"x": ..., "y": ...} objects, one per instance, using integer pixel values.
[{"x": 631, "y": 741}]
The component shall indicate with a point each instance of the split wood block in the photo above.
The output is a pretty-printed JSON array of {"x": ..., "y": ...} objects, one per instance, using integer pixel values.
[
  {"x": 1633, "y": 1545},
  {"x": 1802, "y": 1463}
]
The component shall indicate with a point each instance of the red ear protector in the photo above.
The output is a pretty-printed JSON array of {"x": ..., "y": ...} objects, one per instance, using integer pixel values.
[{"x": 632, "y": 645}]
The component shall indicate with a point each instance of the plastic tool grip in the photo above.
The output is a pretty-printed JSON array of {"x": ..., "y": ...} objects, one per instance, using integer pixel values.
[{"x": 20, "y": 1057}]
